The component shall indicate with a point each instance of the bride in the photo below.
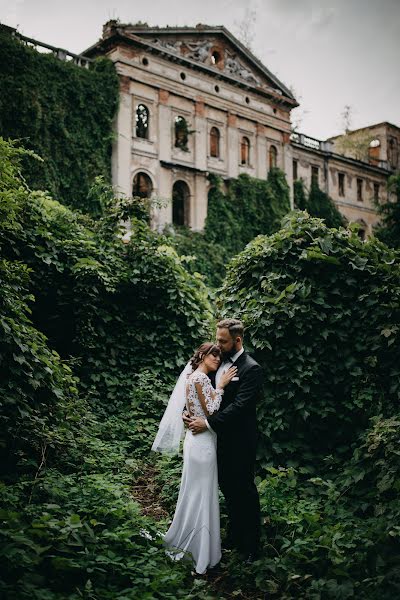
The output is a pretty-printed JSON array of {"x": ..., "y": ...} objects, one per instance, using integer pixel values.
[{"x": 195, "y": 528}]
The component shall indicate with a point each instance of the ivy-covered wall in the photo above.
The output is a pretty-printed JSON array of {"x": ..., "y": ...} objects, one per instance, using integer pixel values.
[
  {"x": 247, "y": 208},
  {"x": 61, "y": 111}
]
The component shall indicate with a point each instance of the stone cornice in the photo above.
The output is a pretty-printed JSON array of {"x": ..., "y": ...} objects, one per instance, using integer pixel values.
[
  {"x": 118, "y": 35},
  {"x": 340, "y": 158}
]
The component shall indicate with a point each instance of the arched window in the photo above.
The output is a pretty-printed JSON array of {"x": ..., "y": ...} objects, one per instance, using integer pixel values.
[
  {"x": 273, "y": 157},
  {"x": 215, "y": 57},
  {"x": 362, "y": 231},
  {"x": 245, "y": 151},
  {"x": 142, "y": 121},
  {"x": 214, "y": 142},
  {"x": 180, "y": 203},
  {"x": 181, "y": 133},
  {"x": 142, "y": 186}
]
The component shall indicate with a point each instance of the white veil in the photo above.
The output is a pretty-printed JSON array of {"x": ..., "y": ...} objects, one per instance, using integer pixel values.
[{"x": 171, "y": 428}]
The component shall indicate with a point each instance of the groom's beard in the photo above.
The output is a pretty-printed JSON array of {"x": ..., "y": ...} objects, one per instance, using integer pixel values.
[{"x": 228, "y": 354}]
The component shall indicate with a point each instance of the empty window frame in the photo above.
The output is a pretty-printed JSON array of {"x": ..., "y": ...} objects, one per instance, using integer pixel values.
[
  {"x": 142, "y": 186},
  {"x": 180, "y": 203},
  {"x": 181, "y": 133},
  {"x": 273, "y": 157},
  {"x": 341, "y": 184},
  {"x": 295, "y": 170},
  {"x": 245, "y": 151},
  {"x": 376, "y": 192},
  {"x": 314, "y": 175},
  {"x": 215, "y": 137},
  {"x": 142, "y": 121},
  {"x": 360, "y": 190}
]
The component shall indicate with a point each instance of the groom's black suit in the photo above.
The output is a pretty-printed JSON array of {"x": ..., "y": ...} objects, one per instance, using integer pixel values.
[{"x": 236, "y": 426}]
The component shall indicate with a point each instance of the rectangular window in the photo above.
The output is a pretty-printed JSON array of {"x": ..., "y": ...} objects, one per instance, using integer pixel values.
[
  {"x": 376, "y": 192},
  {"x": 314, "y": 175},
  {"x": 360, "y": 190},
  {"x": 295, "y": 176},
  {"x": 341, "y": 184}
]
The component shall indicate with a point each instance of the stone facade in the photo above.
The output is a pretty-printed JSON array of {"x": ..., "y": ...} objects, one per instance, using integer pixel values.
[
  {"x": 236, "y": 113},
  {"x": 195, "y": 101},
  {"x": 354, "y": 185}
]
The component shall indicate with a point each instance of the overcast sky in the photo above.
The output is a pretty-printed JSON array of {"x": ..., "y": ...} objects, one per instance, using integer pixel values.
[{"x": 332, "y": 54}]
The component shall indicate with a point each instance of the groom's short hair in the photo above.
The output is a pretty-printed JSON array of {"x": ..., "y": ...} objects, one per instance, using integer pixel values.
[{"x": 234, "y": 326}]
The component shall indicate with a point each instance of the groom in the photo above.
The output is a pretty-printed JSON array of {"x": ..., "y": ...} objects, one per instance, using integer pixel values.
[{"x": 236, "y": 426}]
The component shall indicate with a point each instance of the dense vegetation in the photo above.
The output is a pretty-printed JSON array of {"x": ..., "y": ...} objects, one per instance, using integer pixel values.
[
  {"x": 317, "y": 203},
  {"x": 61, "y": 111},
  {"x": 248, "y": 207},
  {"x": 72, "y": 447},
  {"x": 323, "y": 315},
  {"x": 389, "y": 228},
  {"x": 93, "y": 331}
]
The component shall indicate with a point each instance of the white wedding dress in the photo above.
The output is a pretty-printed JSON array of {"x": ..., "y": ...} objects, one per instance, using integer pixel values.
[{"x": 195, "y": 528}]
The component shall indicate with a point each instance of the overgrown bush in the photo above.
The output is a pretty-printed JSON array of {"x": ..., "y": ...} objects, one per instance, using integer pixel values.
[
  {"x": 40, "y": 408},
  {"x": 113, "y": 308},
  {"x": 70, "y": 527},
  {"x": 322, "y": 312}
]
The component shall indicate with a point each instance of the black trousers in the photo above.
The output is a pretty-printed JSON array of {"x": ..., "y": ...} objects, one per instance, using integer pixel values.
[{"x": 236, "y": 480}]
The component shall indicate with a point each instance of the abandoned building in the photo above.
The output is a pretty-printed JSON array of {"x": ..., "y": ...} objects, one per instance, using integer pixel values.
[
  {"x": 353, "y": 169},
  {"x": 194, "y": 101}
]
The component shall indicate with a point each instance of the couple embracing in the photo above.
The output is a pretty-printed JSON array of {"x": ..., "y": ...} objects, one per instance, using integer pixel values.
[{"x": 217, "y": 392}]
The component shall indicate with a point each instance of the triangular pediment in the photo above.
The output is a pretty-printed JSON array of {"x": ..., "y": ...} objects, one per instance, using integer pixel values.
[{"x": 212, "y": 48}]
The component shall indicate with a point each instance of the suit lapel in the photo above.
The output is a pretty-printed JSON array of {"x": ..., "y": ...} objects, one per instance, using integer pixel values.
[{"x": 239, "y": 361}]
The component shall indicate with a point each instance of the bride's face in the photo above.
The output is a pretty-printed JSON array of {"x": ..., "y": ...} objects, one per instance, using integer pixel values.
[{"x": 212, "y": 362}]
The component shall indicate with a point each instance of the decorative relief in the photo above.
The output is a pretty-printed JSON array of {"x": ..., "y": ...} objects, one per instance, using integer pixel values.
[
  {"x": 171, "y": 46},
  {"x": 201, "y": 51},
  {"x": 236, "y": 68}
]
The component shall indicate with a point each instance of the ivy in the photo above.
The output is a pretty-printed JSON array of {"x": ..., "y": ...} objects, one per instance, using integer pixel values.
[
  {"x": 317, "y": 203},
  {"x": 63, "y": 113},
  {"x": 247, "y": 208},
  {"x": 322, "y": 311},
  {"x": 388, "y": 231}
]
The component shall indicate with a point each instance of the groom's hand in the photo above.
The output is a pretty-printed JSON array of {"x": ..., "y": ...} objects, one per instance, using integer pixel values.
[
  {"x": 186, "y": 419},
  {"x": 197, "y": 425}
]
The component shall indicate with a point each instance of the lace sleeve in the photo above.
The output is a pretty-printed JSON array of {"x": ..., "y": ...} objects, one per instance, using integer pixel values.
[{"x": 212, "y": 397}]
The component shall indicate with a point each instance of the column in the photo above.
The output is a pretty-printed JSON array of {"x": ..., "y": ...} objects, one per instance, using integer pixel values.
[
  {"x": 164, "y": 126},
  {"x": 288, "y": 165},
  {"x": 232, "y": 146},
  {"x": 121, "y": 150}
]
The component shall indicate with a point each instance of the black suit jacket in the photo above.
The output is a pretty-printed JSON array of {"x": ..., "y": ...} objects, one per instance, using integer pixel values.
[{"x": 236, "y": 423}]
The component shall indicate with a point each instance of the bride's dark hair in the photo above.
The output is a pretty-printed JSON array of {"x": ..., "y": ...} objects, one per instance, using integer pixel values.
[{"x": 202, "y": 351}]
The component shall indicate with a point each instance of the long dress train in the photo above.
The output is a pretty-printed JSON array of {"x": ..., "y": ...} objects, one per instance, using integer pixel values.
[{"x": 195, "y": 528}]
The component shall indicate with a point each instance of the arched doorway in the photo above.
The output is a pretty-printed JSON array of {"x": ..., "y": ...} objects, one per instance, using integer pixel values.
[
  {"x": 142, "y": 186},
  {"x": 180, "y": 203},
  {"x": 362, "y": 231}
]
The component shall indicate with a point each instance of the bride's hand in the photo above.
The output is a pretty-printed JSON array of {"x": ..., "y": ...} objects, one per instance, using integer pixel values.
[{"x": 227, "y": 376}]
